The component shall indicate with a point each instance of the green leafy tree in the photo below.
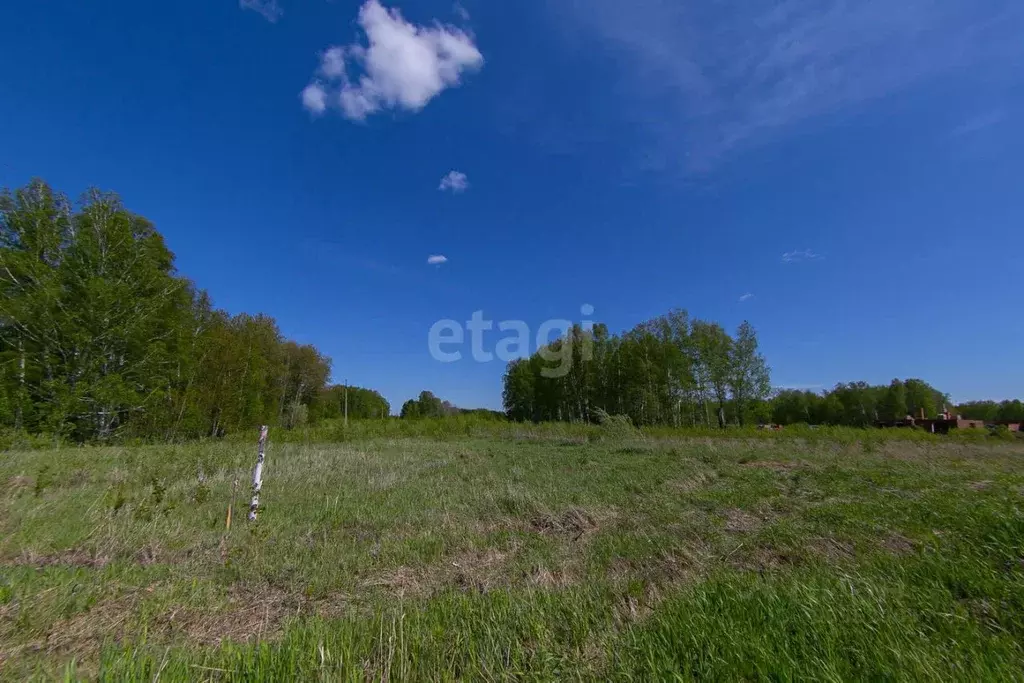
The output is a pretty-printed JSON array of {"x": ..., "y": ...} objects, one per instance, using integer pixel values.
[
  {"x": 1011, "y": 411},
  {"x": 669, "y": 370},
  {"x": 426, "y": 405},
  {"x": 749, "y": 376},
  {"x": 979, "y": 410},
  {"x": 363, "y": 404},
  {"x": 99, "y": 336},
  {"x": 791, "y": 406},
  {"x": 894, "y": 402},
  {"x": 923, "y": 398},
  {"x": 713, "y": 348},
  {"x": 518, "y": 391},
  {"x": 830, "y": 411}
]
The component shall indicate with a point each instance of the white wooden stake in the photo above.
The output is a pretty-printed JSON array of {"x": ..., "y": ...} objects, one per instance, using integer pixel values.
[{"x": 257, "y": 474}]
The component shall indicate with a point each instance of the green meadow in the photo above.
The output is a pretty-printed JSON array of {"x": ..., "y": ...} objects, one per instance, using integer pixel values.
[{"x": 517, "y": 553}]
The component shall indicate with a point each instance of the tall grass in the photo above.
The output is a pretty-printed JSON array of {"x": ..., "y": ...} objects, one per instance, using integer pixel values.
[
  {"x": 809, "y": 625},
  {"x": 484, "y": 426},
  {"x": 462, "y": 426}
]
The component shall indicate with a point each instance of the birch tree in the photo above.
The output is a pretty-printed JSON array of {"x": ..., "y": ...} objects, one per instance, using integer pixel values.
[{"x": 749, "y": 376}]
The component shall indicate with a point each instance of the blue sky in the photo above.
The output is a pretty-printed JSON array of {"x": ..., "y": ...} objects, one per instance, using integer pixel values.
[{"x": 845, "y": 175}]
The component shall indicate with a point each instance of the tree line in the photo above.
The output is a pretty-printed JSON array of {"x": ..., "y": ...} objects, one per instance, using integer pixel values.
[
  {"x": 678, "y": 371},
  {"x": 672, "y": 370},
  {"x": 427, "y": 405},
  {"x": 859, "y": 404},
  {"x": 992, "y": 411},
  {"x": 101, "y": 337}
]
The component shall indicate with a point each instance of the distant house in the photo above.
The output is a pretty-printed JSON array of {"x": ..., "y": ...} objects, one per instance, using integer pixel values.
[{"x": 946, "y": 422}]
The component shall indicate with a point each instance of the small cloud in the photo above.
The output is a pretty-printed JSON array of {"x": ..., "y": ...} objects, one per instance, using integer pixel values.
[
  {"x": 746, "y": 297},
  {"x": 270, "y": 10},
  {"x": 799, "y": 256},
  {"x": 980, "y": 123},
  {"x": 461, "y": 11},
  {"x": 400, "y": 66},
  {"x": 437, "y": 259},
  {"x": 314, "y": 98},
  {"x": 332, "y": 62},
  {"x": 456, "y": 181}
]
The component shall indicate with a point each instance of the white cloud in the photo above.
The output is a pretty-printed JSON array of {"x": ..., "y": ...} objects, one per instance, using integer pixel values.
[
  {"x": 270, "y": 10},
  {"x": 980, "y": 123},
  {"x": 799, "y": 255},
  {"x": 437, "y": 259},
  {"x": 401, "y": 65},
  {"x": 332, "y": 62},
  {"x": 461, "y": 11},
  {"x": 714, "y": 76},
  {"x": 314, "y": 98},
  {"x": 456, "y": 181},
  {"x": 746, "y": 297}
]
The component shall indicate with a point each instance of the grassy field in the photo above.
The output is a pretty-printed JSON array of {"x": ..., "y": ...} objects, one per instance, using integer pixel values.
[{"x": 539, "y": 554}]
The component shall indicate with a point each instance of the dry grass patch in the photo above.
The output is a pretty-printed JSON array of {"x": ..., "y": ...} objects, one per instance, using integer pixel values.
[
  {"x": 65, "y": 558},
  {"x": 19, "y": 482},
  {"x": 547, "y": 579},
  {"x": 759, "y": 558},
  {"x": 738, "y": 521},
  {"x": 664, "y": 570},
  {"x": 830, "y": 549},
  {"x": 774, "y": 465},
  {"x": 83, "y": 634},
  {"x": 573, "y": 524},
  {"x": 250, "y": 614},
  {"x": 478, "y": 570},
  {"x": 402, "y": 581},
  {"x": 898, "y": 544},
  {"x": 632, "y": 610},
  {"x": 690, "y": 484}
]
